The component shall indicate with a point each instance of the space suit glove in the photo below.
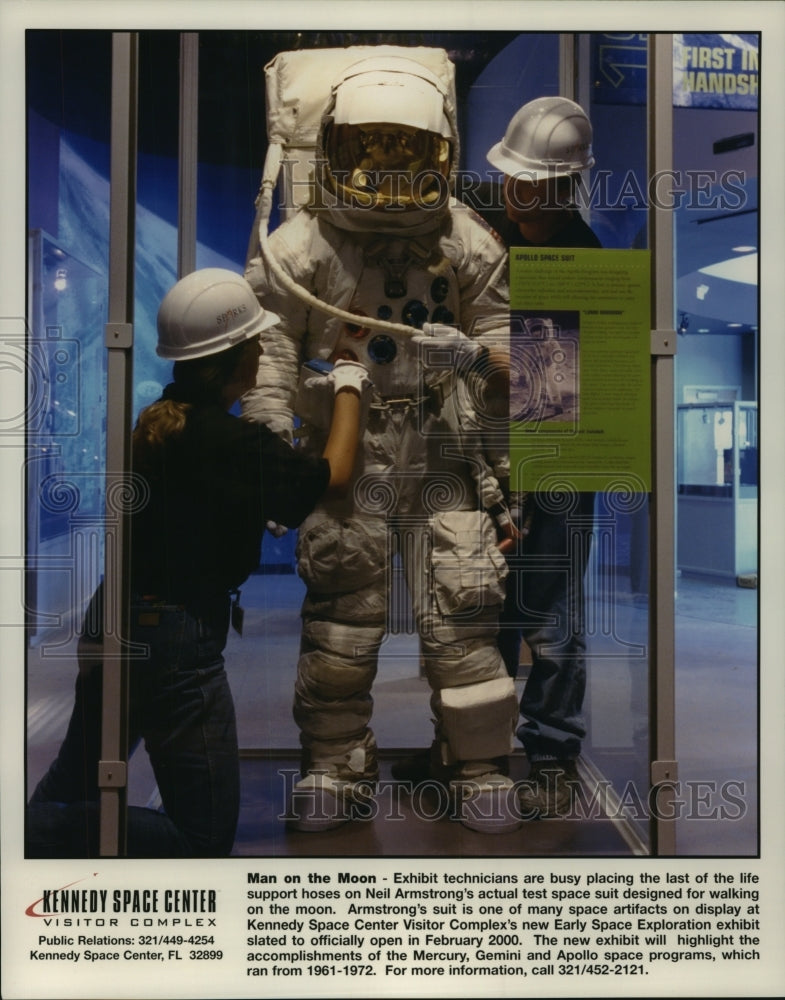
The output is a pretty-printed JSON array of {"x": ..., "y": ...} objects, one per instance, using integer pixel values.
[{"x": 437, "y": 341}]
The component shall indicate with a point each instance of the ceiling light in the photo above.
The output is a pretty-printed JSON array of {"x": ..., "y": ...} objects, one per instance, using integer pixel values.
[
  {"x": 743, "y": 249},
  {"x": 741, "y": 269}
]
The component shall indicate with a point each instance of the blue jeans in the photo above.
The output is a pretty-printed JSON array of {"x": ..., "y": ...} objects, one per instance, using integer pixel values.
[
  {"x": 181, "y": 706},
  {"x": 544, "y": 606}
]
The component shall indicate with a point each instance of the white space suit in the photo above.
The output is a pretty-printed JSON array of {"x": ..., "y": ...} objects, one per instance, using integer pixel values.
[{"x": 382, "y": 247}]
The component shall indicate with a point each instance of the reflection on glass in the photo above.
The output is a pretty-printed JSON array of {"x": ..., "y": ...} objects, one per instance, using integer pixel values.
[
  {"x": 66, "y": 430},
  {"x": 718, "y": 449},
  {"x": 718, "y": 488},
  {"x": 617, "y": 658}
]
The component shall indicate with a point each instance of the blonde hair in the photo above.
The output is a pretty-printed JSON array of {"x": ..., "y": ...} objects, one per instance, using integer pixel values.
[
  {"x": 201, "y": 380},
  {"x": 157, "y": 423}
]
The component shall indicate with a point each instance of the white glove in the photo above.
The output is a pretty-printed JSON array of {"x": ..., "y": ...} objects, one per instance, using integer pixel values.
[
  {"x": 352, "y": 375},
  {"x": 316, "y": 392},
  {"x": 442, "y": 346},
  {"x": 275, "y": 529}
]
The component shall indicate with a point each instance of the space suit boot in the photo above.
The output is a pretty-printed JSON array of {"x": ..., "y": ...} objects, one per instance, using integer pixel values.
[
  {"x": 487, "y": 803},
  {"x": 321, "y": 801},
  {"x": 476, "y": 726},
  {"x": 422, "y": 766}
]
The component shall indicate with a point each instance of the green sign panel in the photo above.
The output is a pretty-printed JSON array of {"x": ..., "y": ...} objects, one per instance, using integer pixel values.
[{"x": 580, "y": 349}]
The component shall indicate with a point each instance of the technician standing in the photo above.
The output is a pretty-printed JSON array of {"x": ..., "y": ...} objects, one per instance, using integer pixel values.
[{"x": 546, "y": 145}]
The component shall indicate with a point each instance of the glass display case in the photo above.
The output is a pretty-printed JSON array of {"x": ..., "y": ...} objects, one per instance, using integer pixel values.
[
  {"x": 66, "y": 431},
  {"x": 717, "y": 473}
]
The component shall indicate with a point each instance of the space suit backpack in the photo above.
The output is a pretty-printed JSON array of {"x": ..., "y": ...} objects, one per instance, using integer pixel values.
[
  {"x": 313, "y": 92},
  {"x": 324, "y": 151}
]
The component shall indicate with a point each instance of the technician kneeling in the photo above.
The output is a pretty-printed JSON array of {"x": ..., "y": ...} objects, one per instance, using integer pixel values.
[{"x": 212, "y": 483}]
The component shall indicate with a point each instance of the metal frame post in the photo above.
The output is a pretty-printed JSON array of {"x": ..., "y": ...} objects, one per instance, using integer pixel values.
[
  {"x": 567, "y": 65},
  {"x": 112, "y": 768},
  {"x": 574, "y": 61},
  {"x": 574, "y": 79},
  {"x": 664, "y": 769},
  {"x": 188, "y": 153}
]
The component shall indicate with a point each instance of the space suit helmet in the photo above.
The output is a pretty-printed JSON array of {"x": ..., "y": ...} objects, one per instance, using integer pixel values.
[
  {"x": 548, "y": 137},
  {"x": 387, "y": 140},
  {"x": 206, "y": 312}
]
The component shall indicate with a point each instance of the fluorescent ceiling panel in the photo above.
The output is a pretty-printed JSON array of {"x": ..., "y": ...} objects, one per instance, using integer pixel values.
[{"x": 743, "y": 269}]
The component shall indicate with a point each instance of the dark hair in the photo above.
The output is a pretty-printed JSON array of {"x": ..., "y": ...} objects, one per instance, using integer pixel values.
[{"x": 203, "y": 380}]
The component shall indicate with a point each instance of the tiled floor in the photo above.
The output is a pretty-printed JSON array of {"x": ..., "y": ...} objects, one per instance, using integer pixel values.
[
  {"x": 716, "y": 726},
  {"x": 717, "y": 717}
]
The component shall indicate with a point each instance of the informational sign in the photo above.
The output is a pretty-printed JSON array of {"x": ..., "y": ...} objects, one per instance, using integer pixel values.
[
  {"x": 716, "y": 71},
  {"x": 580, "y": 373},
  {"x": 709, "y": 70},
  {"x": 619, "y": 65}
]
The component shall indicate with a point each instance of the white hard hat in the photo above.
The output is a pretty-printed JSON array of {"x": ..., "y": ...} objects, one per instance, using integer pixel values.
[
  {"x": 548, "y": 137},
  {"x": 206, "y": 312}
]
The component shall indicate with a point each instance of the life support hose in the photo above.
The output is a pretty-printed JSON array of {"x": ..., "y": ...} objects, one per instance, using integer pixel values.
[{"x": 272, "y": 166}]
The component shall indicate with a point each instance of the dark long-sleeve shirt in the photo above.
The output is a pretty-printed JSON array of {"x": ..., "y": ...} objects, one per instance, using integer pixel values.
[{"x": 212, "y": 488}]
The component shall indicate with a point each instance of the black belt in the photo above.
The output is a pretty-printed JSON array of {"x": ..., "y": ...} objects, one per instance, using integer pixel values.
[{"x": 209, "y": 608}]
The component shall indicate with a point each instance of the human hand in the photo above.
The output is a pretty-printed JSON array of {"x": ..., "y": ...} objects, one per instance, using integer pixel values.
[
  {"x": 522, "y": 511},
  {"x": 509, "y": 538},
  {"x": 317, "y": 390},
  {"x": 506, "y": 530},
  {"x": 275, "y": 529}
]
